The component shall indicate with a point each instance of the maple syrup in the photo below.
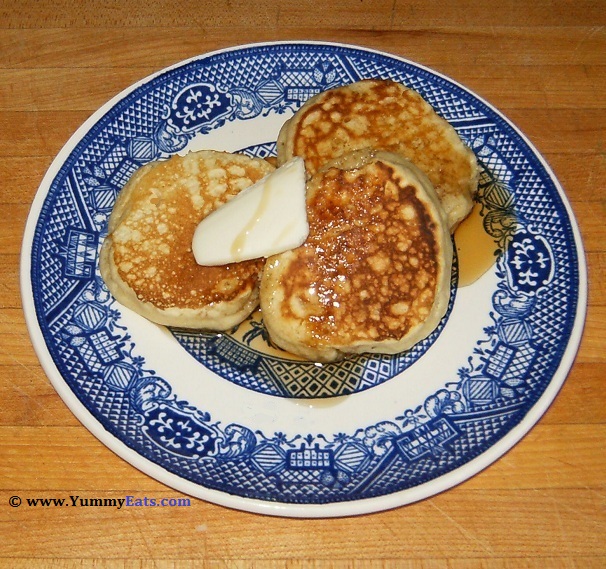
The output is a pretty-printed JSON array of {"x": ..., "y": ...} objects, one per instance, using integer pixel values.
[{"x": 476, "y": 249}]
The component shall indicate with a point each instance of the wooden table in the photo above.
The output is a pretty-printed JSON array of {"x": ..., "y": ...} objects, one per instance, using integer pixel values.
[{"x": 541, "y": 505}]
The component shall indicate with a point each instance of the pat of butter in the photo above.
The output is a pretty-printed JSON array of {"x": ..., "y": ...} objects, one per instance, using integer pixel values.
[{"x": 266, "y": 218}]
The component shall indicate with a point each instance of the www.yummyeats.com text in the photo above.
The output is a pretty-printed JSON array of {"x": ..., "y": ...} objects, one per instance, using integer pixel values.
[{"x": 93, "y": 502}]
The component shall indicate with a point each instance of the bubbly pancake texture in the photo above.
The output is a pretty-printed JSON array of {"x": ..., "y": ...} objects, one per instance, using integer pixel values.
[
  {"x": 374, "y": 273},
  {"x": 384, "y": 115},
  {"x": 147, "y": 260}
]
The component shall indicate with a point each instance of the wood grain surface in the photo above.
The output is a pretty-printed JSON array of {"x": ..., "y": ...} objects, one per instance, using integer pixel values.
[{"x": 542, "y": 505}]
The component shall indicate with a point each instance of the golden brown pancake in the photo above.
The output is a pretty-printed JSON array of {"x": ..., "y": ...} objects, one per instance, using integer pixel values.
[
  {"x": 374, "y": 273},
  {"x": 384, "y": 115},
  {"x": 146, "y": 259}
]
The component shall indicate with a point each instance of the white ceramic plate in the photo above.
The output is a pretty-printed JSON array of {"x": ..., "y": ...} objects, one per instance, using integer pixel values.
[{"x": 219, "y": 417}]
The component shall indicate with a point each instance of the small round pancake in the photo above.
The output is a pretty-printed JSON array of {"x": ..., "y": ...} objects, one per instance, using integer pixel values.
[
  {"x": 374, "y": 273},
  {"x": 147, "y": 260},
  {"x": 384, "y": 115}
]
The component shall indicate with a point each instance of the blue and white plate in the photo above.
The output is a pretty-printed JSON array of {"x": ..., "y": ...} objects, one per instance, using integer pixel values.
[{"x": 229, "y": 419}]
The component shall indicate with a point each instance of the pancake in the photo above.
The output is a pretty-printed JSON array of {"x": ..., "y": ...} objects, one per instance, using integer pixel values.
[
  {"x": 146, "y": 259},
  {"x": 384, "y": 115},
  {"x": 374, "y": 273}
]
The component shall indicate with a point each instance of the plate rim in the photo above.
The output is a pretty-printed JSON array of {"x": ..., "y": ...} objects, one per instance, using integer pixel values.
[{"x": 275, "y": 508}]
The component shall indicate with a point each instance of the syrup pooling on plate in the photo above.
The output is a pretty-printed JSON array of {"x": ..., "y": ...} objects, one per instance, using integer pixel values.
[
  {"x": 482, "y": 236},
  {"x": 475, "y": 248}
]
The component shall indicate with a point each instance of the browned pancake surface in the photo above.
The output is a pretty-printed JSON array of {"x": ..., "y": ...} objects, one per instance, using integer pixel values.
[
  {"x": 370, "y": 269},
  {"x": 151, "y": 232},
  {"x": 365, "y": 277},
  {"x": 384, "y": 115}
]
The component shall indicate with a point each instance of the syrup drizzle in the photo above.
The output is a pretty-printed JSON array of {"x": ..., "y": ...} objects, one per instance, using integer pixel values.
[{"x": 240, "y": 240}]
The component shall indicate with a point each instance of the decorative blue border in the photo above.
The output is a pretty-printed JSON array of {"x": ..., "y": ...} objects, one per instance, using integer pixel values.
[{"x": 534, "y": 305}]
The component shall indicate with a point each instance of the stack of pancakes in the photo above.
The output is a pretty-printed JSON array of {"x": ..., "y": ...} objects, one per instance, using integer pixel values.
[{"x": 388, "y": 181}]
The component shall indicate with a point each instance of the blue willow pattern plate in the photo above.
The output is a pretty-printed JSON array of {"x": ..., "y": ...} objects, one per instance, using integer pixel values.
[{"x": 227, "y": 418}]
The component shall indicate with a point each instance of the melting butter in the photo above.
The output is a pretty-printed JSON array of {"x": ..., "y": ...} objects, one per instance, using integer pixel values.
[{"x": 266, "y": 218}]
